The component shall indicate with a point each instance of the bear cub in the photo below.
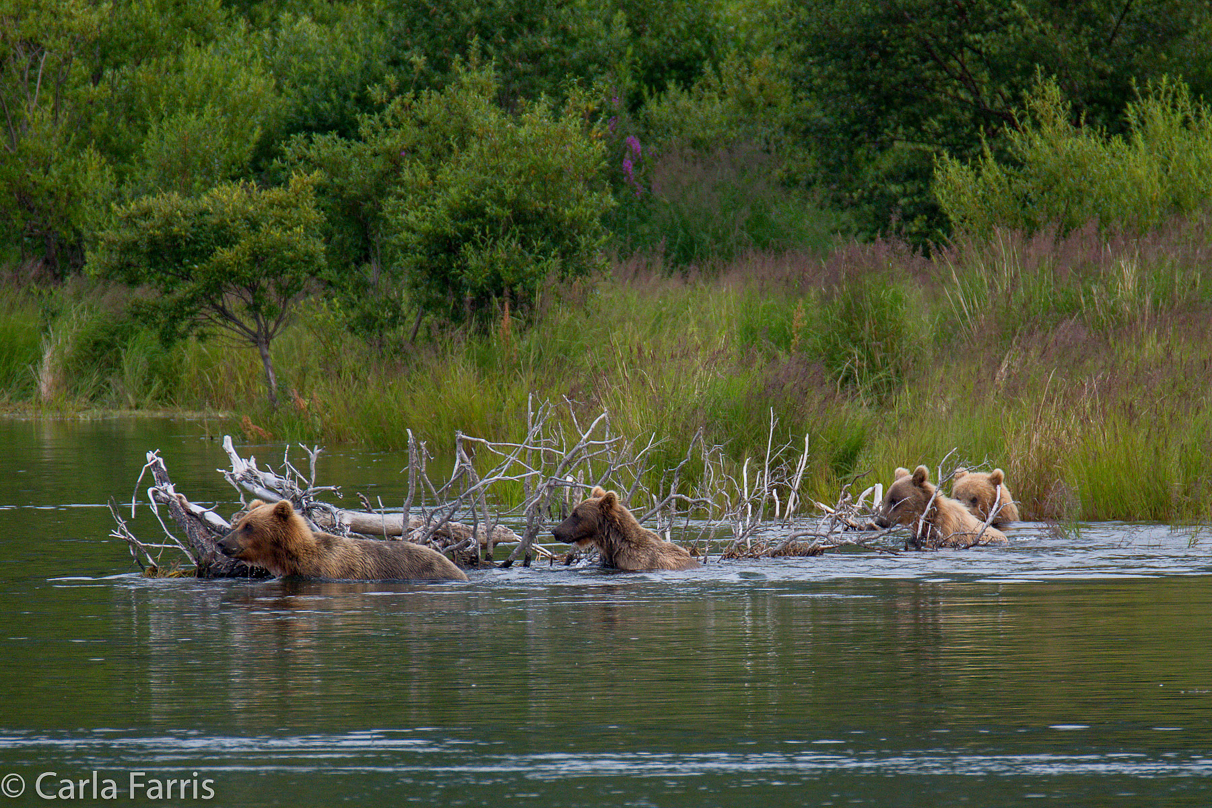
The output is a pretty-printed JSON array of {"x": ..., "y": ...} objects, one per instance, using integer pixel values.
[
  {"x": 948, "y": 524},
  {"x": 273, "y": 536},
  {"x": 979, "y": 491},
  {"x": 602, "y": 521}
]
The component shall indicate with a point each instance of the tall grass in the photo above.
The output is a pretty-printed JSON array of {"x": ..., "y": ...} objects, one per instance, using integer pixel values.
[{"x": 1079, "y": 364}]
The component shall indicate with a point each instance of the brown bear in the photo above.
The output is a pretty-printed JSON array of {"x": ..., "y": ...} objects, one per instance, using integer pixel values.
[
  {"x": 601, "y": 521},
  {"x": 979, "y": 492},
  {"x": 273, "y": 536},
  {"x": 948, "y": 523}
]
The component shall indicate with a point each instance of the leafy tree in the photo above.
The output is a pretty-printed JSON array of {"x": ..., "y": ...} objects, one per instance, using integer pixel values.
[
  {"x": 670, "y": 43},
  {"x": 193, "y": 118},
  {"x": 325, "y": 70},
  {"x": 450, "y": 204},
  {"x": 52, "y": 182},
  {"x": 489, "y": 206},
  {"x": 236, "y": 258},
  {"x": 539, "y": 47},
  {"x": 888, "y": 85}
]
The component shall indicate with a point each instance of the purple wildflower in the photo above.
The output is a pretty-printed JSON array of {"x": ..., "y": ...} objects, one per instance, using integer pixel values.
[{"x": 633, "y": 143}]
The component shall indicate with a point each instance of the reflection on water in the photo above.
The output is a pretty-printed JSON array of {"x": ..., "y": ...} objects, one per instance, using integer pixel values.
[{"x": 1063, "y": 670}]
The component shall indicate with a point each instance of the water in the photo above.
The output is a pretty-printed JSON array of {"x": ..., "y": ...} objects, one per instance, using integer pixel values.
[{"x": 1058, "y": 671}]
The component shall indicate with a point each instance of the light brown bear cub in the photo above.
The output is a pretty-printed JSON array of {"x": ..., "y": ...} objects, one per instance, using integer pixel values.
[
  {"x": 949, "y": 523},
  {"x": 273, "y": 536},
  {"x": 601, "y": 521},
  {"x": 979, "y": 492}
]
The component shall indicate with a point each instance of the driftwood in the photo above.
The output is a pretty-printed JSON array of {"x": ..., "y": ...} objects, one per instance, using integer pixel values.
[
  {"x": 303, "y": 494},
  {"x": 716, "y": 507},
  {"x": 203, "y": 529},
  {"x": 847, "y": 523}
]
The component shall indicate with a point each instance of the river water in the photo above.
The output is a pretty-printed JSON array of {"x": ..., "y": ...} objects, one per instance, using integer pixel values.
[{"x": 1063, "y": 670}]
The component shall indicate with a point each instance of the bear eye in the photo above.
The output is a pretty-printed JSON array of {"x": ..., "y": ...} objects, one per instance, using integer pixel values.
[{"x": 974, "y": 500}]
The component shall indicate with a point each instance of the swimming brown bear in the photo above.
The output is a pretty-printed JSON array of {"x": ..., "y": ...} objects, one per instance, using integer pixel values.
[
  {"x": 978, "y": 492},
  {"x": 947, "y": 524},
  {"x": 603, "y": 522},
  {"x": 273, "y": 536}
]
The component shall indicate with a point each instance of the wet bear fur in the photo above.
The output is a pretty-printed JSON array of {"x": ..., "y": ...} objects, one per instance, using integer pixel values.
[
  {"x": 950, "y": 524},
  {"x": 978, "y": 492},
  {"x": 273, "y": 536},
  {"x": 603, "y": 522}
]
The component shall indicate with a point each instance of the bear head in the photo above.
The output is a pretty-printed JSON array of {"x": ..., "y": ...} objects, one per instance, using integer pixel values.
[
  {"x": 264, "y": 531},
  {"x": 979, "y": 492},
  {"x": 906, "y": 499},
  {"x": 588, "y": 519}
]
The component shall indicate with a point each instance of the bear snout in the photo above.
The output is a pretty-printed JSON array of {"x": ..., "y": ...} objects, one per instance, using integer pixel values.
[{"x": 229, "y": 546}]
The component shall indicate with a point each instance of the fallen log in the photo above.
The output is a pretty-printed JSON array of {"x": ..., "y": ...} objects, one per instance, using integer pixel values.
[{"x": 391, "y": 526}]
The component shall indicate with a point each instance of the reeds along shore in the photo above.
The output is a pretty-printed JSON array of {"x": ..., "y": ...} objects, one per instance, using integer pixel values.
[{"x": 1081, "y": 365}]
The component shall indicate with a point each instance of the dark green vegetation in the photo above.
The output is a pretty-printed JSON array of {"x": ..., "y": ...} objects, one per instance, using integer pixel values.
[{"x": 900, "y": 227}]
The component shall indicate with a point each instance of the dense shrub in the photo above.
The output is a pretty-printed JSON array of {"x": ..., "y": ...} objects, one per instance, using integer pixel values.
[
  {"x": 451, "y": 205},
  {"x": 1062, "y": 174}
]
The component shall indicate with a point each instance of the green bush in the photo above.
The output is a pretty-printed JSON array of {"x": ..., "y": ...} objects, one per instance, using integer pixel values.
[
  {"x": 697, "y": 171},
  {"x": 708, "y": 209},
  {"x": 487, "y": 207},
  {"x": 1063, "y": 174},
  {"x": 114, "y": 359}
]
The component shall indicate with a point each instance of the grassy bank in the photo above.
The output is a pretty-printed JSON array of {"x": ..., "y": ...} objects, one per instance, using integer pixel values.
[{"x": 1081, "y": 366}]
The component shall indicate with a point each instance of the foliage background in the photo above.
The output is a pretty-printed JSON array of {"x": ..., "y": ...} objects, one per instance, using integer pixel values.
[{"x": 899, "y": 227}]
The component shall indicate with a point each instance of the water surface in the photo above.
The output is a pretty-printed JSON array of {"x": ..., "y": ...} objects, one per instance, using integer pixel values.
[{"x": 1068, "y": 670}]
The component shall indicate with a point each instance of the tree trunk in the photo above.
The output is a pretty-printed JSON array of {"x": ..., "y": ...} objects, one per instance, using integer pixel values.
[{"x": 271, "y": 380}]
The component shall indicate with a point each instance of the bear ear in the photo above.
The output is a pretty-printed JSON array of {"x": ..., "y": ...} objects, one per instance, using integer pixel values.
[
  {"x": 256, "y": 503},
  {"x": 900, "y": 472},
  {"x": 960, "y": 472},
  {"x": 921, "y": 475},
  {"x": 598, "y": 491},
  {"x": 610, "y": 501},
  {"x": 283, "y": 509},
  {"x": 996, "y": 477}
]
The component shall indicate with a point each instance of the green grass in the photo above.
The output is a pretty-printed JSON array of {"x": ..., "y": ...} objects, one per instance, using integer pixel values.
[{"x": 1078, "y": 365}]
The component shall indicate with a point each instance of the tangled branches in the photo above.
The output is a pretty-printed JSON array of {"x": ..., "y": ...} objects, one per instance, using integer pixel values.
[{"x": 706, "y": 501}]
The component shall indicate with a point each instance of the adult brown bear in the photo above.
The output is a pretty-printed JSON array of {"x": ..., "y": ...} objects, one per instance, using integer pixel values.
[
  {"x": 601, "y": 521},
  {"x": 273, "y": 536}
]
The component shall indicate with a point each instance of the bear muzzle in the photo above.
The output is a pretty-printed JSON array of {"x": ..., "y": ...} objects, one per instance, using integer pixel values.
[
  {"x": 567, "y": 533},
  {"x": 229, "y": 545}
]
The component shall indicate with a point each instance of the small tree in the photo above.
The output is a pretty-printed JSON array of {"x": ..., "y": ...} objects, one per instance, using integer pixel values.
[
  {"x": 489, "y": 206},
  {"x": 237, "y": 258},
  {"x": 449, "y": 205}
]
